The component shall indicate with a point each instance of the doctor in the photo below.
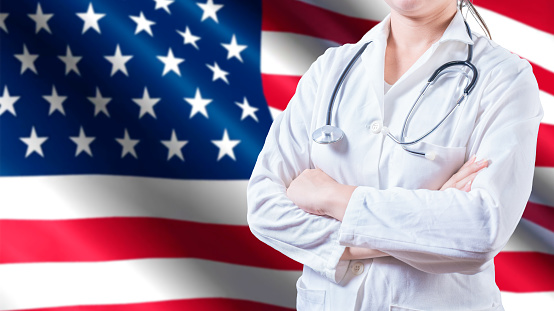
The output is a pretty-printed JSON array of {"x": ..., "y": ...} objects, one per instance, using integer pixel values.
[{"x": 367, "y": 218}]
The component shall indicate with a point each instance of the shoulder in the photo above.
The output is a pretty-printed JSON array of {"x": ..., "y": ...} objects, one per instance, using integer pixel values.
[
  {"x": 505, "y": 79},
  {"x": 493, "y": 59}
]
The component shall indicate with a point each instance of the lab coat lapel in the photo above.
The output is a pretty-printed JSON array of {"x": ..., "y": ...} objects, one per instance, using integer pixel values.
[{"x": 373, "y": 62}]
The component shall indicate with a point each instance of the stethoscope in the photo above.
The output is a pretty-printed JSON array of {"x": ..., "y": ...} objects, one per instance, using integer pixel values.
[{"x": 328, "y": 134}]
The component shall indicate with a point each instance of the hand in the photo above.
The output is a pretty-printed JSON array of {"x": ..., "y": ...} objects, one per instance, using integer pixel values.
[
  {"x": 463, "y": 179},
  {"x": 317, "y": 193}
]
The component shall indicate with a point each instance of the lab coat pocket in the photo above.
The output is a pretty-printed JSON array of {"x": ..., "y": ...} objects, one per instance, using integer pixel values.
[
  {"x": 309, "y": 299},
  {"x": 417, "y": 172}
]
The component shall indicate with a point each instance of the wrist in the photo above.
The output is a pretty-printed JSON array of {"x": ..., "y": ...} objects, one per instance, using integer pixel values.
[{"x": 337, "y": 201}]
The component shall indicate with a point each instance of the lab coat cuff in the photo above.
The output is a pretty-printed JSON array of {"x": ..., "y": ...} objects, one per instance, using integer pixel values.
[
  {"x": 337, "y": 268},
  {"x": 351, "y": 217}
]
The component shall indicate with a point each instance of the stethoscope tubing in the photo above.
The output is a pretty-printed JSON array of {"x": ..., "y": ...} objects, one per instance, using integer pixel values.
[{"x": 341, "y": 80}]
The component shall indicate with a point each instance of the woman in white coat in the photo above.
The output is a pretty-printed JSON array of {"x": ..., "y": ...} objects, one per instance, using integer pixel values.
[{"x": 367, "y": 218}]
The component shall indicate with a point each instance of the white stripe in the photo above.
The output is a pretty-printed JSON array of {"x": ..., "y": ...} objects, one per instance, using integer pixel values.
[
  {"x": 150, "y": 280},
  {"x": 274, "y": 112},
  {"x": 530, "y": 237},
  {"x": 528, "y": 42},
  {"x": 547, "y": 102},
  {"x": 136, "y": 281},
  {"x": 543, "y": 184},
  {"x": 290, "y": 54},
  {"x": 88, "y": 196},
  {"x": 373, "y": 10},
  {"x": 528, "y": 301}
]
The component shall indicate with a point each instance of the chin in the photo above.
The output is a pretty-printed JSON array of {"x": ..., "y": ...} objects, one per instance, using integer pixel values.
[
  {"x": 407, "y": 5},
  {"x": 415, "y": 8}
]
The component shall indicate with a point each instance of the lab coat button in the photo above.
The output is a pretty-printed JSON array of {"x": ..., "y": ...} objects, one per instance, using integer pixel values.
[
  {"x": 357, "y": 268},
  {"x": 376, "y": 127}
]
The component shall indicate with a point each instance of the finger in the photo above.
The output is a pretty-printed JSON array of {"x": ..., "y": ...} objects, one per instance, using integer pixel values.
[
  {"x": 470, "y": 161},
  {"x": 470, "y": 169},
  {"x": 466, "y": 182},
  {"x": 467, "y": 187},
  {"x": 463, "y": 171}
]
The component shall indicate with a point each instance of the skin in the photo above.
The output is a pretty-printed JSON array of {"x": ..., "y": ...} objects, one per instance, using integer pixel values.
[{"x": 415, "y": 26}]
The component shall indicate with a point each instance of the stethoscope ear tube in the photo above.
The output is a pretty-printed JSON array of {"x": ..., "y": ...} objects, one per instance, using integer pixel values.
[{"x": 470, "y": 86}]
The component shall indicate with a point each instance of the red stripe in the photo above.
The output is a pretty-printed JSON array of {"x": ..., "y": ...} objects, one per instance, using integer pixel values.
[
  {"x": 545, "y": 146},
  {"x": 278, "y": 89},
  {"x": 206, "y": 304},
  {"x": 302, "y": 18},
  {"x": 538, "y": 13},
  {"x": 101, "y": 239},
  {"x": 545, "y": 78},
  {"x": 541, "y": 215},
  {"x": 524, "y": 272}
]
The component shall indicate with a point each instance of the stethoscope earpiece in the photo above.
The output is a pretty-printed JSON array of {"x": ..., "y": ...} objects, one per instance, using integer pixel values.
[{"x": 430, "y": 156}]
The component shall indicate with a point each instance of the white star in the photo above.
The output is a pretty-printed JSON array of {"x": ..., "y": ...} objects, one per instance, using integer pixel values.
[
  {"x": 118, "y": 61},
  {"x": 146, "y": 104},
  {"x": 34, "y": 143},
  {"x": 234, "y": 49},
  {"x": 163, "y": 4},
  {"x": 128, "y": 145},
  {"x": 56, "y": 101},
  {"x": 3, "y": 17},
  {"x": 247, "y": 110},
  {"x": 7, "y": 102},
  {"x": 174, "y": 146},
  {"x": 226, "y": 146},
  {"x": 70, "y": 61},
  {"x": 171, "y": 63},
  {"x": 218, "y": 73},
  {"x": 83, "y": 142},
  {"x": 189, "y": 37},
  {"x": 91, "y": 19},
  {"x": 142, "y": 24},
  {"x": 198, "y": 104},
  {"x": 210, "y": 10},
  {"x": 100, "y": 103},
  {"x": 41, "y": 19},
  {"x": 27, "y": 60}
]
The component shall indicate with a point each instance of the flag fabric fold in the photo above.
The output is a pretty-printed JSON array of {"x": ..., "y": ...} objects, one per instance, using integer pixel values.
[{"x": 128, "y": 132}]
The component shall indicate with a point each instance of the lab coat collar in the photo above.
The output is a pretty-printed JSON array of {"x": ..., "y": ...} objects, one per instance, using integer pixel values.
[{"x": 456, "y": 31}]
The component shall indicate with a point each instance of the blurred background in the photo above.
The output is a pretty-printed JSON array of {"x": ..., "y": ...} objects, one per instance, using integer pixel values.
[{"x": 129, "y": 129}]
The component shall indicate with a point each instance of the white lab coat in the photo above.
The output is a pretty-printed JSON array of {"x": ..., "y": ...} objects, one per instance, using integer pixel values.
[{"x": 441, "y": 243}]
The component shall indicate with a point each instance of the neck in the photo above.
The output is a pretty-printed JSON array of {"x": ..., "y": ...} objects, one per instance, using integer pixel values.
[{"x": 419, "y": 32}]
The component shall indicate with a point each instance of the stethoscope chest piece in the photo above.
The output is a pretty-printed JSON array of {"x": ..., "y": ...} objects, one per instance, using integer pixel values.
[{"x": 327, "y": 134}]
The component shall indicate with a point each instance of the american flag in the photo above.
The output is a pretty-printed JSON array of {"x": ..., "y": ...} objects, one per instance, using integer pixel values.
[{"x": 128, "y": 131}]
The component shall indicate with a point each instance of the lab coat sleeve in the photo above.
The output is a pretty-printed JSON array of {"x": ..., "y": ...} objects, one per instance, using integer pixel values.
[
  {"x": 272, "y": 216},
  {"x": 454, "y": 231}
]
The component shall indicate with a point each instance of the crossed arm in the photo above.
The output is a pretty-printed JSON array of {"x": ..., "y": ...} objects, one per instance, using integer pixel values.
[
  {"x": 433, "y": 231},
  {"x": 317, "y": 193}
]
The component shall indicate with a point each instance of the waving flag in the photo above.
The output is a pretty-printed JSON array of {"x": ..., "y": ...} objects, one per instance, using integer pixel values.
[{"x": 128, "y": 131}]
